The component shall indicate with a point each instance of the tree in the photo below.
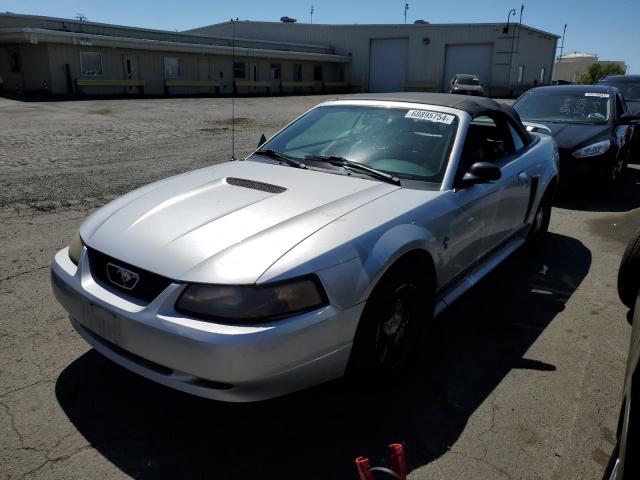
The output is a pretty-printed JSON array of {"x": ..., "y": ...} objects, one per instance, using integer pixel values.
[{"x": 598, "y": 70}]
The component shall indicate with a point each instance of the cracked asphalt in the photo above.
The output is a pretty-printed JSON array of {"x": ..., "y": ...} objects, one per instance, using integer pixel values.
[{"x": 520, "y": 379}]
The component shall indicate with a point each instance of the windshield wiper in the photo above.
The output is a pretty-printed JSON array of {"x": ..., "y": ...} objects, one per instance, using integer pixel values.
[
  {"x": 350, "y": 165},
  {"x": 281, "y": 156}
]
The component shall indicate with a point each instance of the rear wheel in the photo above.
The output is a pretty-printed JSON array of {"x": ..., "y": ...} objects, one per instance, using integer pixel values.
[
  {"x": 540, "y": 223},
  {"x": 394, "y": 316},
  {"x": 629, "y": 272}
]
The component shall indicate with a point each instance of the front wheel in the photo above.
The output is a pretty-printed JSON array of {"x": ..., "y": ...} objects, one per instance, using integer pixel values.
[{"x": 391, "y": 323}]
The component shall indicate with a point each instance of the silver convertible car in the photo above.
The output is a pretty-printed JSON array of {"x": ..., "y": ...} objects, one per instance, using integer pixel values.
[{"x": 323, "y": 253}]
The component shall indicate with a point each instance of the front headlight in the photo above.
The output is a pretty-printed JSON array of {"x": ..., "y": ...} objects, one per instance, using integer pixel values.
[
  {"x": 593, "y": 149},
  {"x": 75, "y": 248},
  {"x": 251, "y": 303}
]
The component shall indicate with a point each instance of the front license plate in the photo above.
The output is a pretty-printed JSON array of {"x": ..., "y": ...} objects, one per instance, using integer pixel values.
[{"x": 103, "y": 323}]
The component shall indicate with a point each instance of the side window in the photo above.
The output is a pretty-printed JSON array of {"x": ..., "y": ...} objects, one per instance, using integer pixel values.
[
  {"x": 91, "y": 63},
  {"x": 487, "y": 141},
  {"x": 518, "y": 143},
  {"x": 171, "y": 67},
  {"x": 239, "y": 70}
]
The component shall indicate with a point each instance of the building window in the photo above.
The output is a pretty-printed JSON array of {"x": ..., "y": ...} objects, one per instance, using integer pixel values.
[
  {"x": 276, "y": 71},
  {"x": 91, "y": 63},
  {"x": 14, "y": 60},
  {"x": 543, "y": 71},
  {"x": 239, "y": 70},
  {"x": 520, "y": 73},
  {"x": 171, "y": 67},
  {"x": 317, "y": 73},
  {"x": 297, "y": 72}
]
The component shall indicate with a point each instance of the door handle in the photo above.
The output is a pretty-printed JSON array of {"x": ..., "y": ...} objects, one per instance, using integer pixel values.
[{"x": 523, "y": 177}]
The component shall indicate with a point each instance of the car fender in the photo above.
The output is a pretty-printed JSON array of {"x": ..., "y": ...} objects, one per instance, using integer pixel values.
[
  {"x": 548, "y": 173},
  {"x": 390, "y": 247},
  {"x": 351, "y": 281}
]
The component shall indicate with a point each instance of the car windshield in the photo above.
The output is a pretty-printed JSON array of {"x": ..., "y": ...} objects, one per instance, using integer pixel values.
[
  {"x": 408, "y": 143},
  {"x": 565, "y": 107},
  {"x": 630, "y": 90},
  {"x": 468, "y": 81}
]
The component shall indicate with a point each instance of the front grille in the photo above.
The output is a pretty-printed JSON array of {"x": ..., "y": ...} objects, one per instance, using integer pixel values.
[{"x": 148, "y": 287}]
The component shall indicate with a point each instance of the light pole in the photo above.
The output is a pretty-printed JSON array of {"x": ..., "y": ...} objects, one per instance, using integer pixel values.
[
  {"x": 311, "y": 14},
  {"x": 406, "y": 7},
  {"x": 562, "y": 44},
  {"x": 511, "y": 13}
]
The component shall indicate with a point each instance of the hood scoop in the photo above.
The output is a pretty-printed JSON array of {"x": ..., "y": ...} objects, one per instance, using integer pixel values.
[{"x": 255, "y": 185}]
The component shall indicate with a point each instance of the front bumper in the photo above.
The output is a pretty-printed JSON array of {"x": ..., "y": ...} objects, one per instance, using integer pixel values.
[
  {"x": 237, "y": 363},
  {"x": 572, "y": 168}
]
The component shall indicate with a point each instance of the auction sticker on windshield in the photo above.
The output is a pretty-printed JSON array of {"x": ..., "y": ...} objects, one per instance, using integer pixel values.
[
  {"x": 601, "y": 95},
  {"x": 430, "y": 116}
]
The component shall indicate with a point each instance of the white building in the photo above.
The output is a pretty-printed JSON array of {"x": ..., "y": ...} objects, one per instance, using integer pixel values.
[{"x": 570, "y": 67}]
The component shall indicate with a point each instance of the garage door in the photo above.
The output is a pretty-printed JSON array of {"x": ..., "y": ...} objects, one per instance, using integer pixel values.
[
  {"x": 472, "y": 59},
  {"x": 387, "y": 64}
]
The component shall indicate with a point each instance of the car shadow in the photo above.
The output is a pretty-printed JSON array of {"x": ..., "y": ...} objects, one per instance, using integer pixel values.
[
  {"x": 149, "y": 431},
  {"x": 590, "y": 197}
]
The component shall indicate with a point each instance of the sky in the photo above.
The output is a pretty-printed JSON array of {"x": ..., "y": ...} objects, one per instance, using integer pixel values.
[{"x": 611, "y": 29}]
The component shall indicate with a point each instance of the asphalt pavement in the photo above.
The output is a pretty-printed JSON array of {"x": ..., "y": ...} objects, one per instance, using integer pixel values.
[{"x": 520, "y": 379}]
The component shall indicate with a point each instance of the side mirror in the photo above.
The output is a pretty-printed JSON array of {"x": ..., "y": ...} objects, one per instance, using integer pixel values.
[
  {"x": 628, "y": 119},
  {"x": 262, "y": 140},
  {"x": 481, "y": 172}
]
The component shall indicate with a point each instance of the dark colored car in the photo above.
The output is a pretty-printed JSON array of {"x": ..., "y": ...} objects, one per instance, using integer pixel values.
[
  {"x": 590, "y": 123},
  {"x": 625, "y": 461},
  {"x": 629, "y": 86}
]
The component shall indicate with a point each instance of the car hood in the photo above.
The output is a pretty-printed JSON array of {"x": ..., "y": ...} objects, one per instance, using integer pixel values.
[
  {"x": 226, "y": 223},
  {"x": 570, "y": 136}
]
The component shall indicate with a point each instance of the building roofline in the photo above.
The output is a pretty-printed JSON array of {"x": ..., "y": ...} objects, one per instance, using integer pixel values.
[
  {"x": 26, "y": 35},
  {"x": 154, "y": 30},
  {"x": 358, "y": 25}
]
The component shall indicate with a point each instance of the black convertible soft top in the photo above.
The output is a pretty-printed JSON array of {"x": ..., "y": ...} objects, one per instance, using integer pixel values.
[{"x": 472, "y": 105}]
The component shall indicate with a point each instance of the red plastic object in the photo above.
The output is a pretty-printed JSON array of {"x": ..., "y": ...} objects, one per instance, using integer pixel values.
[
  {"x": 398, "y": 461},
  {"x": 364, "y": 468}
]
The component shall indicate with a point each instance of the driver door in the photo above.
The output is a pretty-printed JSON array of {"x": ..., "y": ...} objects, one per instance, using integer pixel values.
[{"x": 474, "y": 209}]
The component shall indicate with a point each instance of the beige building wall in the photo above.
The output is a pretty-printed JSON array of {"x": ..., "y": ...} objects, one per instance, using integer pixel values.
[
  {"x": 427, "y": 46},
  {"x": 46, "y": 67}
]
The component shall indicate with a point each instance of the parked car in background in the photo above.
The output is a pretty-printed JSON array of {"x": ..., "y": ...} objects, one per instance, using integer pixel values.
[
  {"x": 625, "y": 461},
  {"x": 629, "y": 86},
  {"x": 591, "y": 125},
  {"x": 322, "y": 253},
  {"x": 466, "y": 84}
]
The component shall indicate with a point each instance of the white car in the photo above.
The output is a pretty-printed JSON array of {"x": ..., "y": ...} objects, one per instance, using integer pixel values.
[
  {"x": 466, "y": 84},
  {"x": 322, "y": 253}
]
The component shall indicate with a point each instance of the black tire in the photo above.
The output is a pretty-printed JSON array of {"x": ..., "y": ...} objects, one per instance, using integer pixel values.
[
  {"x": 629, "y": 271},
  {"x": 540, "y": 222},
  {"x": 394, "y": 317}
]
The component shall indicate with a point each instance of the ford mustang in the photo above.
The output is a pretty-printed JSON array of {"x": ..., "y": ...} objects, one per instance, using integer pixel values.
[{"x": 323, "y": 253}]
